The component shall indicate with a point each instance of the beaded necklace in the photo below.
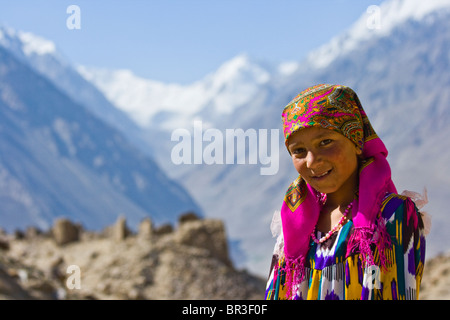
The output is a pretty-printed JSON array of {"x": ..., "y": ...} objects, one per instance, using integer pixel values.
[{"x": 333, "y": 230}]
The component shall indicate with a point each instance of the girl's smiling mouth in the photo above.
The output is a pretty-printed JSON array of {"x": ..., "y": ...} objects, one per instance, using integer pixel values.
[{"x": 322, "y": 175}]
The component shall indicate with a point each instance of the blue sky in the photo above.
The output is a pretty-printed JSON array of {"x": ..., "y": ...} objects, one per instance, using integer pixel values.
[{"x": 182, "y": 41}]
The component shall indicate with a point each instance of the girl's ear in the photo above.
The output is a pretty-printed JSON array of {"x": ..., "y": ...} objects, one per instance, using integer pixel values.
[{"x": 358, "y": 151}]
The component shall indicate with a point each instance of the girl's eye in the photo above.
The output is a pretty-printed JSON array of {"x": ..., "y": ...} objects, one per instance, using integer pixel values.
[
  {"x": 325, "y": 142},
  {"x": 298, "y": 151}
]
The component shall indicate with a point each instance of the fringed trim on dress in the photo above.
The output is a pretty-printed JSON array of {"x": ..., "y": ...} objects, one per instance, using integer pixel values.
[
  {"x": 364, "y": 239},
  {"x": 294, "y": 271}
]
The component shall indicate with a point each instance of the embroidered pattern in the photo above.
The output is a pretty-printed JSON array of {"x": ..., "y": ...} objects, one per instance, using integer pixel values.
[
  {"x": 327, "y": 106},
  {"x": 332, "y": 274},
  {"x": 296, "y": 194}
]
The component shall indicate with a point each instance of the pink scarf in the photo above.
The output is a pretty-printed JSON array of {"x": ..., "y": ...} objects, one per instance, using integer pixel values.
[{"x": 337, "y": 108}]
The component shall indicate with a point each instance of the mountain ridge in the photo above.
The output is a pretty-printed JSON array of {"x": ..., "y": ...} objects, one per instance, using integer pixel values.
[
  {"x": 376, "y": 22},
  {"x": 62, "y": 160}
]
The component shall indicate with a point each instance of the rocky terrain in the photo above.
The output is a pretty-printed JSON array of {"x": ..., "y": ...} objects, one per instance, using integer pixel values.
[
  {"x": 67, "y": 262},
  {"x": 436, "y": 278},
  {"x": 189, "y": 262}
]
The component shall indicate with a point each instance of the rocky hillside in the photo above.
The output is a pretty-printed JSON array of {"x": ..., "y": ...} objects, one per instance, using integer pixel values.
[
  {"x": 67, "y": 262},
  {"x": 189, "y": 262},
  {"x": 436, "y": 278}
]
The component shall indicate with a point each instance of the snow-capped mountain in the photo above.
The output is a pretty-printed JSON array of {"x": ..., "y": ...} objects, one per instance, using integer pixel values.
[
  {"x": 152, "y": 103},
  {"x": 59, "y": 159},
  {"x": 376, "y": 22},
  {"x": 395, "y": 57},
  {"x": 43, "y": 57}
]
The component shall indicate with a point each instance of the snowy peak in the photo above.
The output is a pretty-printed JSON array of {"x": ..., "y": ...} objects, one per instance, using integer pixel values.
[
  {"x": 240, "y": 69},
  {"x": 36, "y": 45},
  {"x": 394, "y": 12},
  {"x": 235, "y": 83},
  {"x": 150, "y": 102},
  {"x": 25, "y": 42},
  {"x": 141, "y": 98},
  {"x": 377, "y": 21}
]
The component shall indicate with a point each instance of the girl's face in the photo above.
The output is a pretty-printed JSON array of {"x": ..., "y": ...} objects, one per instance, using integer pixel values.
[{"x": 327, "y": 160}]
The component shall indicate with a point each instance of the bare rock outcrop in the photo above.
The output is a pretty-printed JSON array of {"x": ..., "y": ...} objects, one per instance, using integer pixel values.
[
  {"x": 146, "y": 229},
  {"x": 65, "y": 231},
  {"x": 436, "y": 278},
  {"x": 10, "y": 289},
  {"x": 120, "y": 229},
  {"x": 189, "y": 262},
  {"x": 207, "y": 234}
]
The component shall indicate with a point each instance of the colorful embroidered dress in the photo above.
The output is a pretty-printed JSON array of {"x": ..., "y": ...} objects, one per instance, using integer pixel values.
[
  {"x": 380, "y": 252},
  {"x": 331, "y": 274}
]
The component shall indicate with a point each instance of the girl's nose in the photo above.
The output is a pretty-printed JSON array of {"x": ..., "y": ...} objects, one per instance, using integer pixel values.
[{"x": 312, "y": 160}]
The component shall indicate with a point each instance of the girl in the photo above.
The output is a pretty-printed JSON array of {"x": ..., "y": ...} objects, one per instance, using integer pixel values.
[{"x": 345, "y": 232}]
